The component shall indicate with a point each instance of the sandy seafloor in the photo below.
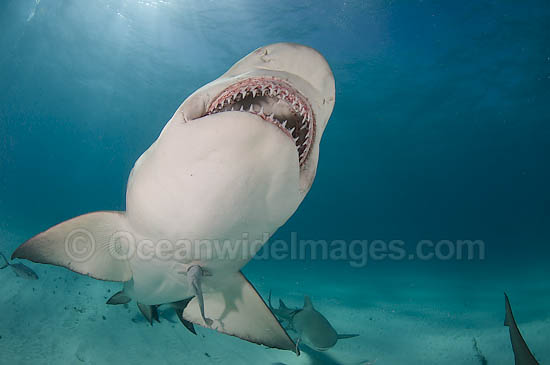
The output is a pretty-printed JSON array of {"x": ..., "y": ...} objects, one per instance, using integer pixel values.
[{"x": 404, "y": 315}]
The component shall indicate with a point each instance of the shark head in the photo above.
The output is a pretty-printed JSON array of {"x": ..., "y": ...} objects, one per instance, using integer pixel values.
[{"x": 288, "y": 85}]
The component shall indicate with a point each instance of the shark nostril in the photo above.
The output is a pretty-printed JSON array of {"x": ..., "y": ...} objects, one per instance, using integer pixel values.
[{"x": 274, "y": 101}]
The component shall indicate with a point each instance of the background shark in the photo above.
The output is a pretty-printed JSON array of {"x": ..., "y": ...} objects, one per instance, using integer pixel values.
[
  {"x": 312, "y": 327},
  {"x": 230, "y": 167}
]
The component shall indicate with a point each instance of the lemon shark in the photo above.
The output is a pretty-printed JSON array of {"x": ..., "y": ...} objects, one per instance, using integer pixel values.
[
  {"x": 229, "y": 168},
  {"x": 20, "y": 270},
  {"x": 312, "y": 327}
]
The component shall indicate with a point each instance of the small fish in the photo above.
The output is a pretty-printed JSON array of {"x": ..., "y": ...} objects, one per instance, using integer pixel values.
[{"x": 20, "y": 270}]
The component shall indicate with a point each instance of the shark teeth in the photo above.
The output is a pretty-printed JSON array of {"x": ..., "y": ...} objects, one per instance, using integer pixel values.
[{"x": 257, "y": 96}]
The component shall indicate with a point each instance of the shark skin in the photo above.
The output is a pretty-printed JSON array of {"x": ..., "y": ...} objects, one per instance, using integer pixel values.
[
  {"x": 522, "y": 354},
  {"x": 230, "y": 167},
  {"x": 312, "y": 327}
]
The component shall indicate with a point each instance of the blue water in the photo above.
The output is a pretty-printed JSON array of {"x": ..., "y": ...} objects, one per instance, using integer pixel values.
[{"x": 441, "y": 131}]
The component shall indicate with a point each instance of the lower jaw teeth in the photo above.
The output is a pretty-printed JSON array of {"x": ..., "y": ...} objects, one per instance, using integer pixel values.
[{"x": 284, "y": 124}]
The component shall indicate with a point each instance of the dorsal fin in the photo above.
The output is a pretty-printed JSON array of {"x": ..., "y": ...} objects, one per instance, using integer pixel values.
[
  {"x": 307, "y": 302},
  {"x": 509, "y": 316},
  {"x": 3, "y": 262},
  {"x": 522, "y": 354}
]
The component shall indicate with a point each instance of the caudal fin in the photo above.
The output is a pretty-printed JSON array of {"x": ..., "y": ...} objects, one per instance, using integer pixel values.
[{"x": 3, "y": 262}]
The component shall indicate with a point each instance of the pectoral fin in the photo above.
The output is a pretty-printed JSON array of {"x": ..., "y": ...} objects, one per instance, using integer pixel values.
[
  {"x": 84, "y": 244},
  {"x": 237, "y": 309}
]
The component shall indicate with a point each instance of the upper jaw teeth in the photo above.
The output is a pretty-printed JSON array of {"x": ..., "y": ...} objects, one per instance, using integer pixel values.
[{"x": 300, "y": 130}]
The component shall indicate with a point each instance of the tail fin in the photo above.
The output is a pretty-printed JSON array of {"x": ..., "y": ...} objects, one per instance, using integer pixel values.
[{"x": 5, "y": 262}]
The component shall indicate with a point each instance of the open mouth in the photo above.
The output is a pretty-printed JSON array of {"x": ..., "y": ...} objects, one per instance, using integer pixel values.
[{"x": 275, "y": 101}]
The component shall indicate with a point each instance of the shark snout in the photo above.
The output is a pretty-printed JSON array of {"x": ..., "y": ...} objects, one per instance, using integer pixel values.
[{"x": 287, "y": 85}]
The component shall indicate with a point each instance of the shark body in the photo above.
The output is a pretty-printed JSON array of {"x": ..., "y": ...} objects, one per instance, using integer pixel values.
[
  {"x": 312, "y": 327},
  {"x": 230, "y": 167}
]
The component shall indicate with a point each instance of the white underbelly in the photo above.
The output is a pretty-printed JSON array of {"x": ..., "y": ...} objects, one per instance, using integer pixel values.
[
  {"x": 160, "y": 275},
  {"x": 157, "y": 282},
  {"x": 214, "y": 190}
]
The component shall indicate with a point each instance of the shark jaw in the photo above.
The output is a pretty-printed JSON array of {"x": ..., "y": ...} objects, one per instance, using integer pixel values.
[
  {"x": 275, "y": 101},
  {"x": 292, "y": 83}
]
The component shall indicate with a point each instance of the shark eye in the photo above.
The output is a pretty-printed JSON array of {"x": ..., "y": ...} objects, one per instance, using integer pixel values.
[{"x": 275, "y": 101}]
